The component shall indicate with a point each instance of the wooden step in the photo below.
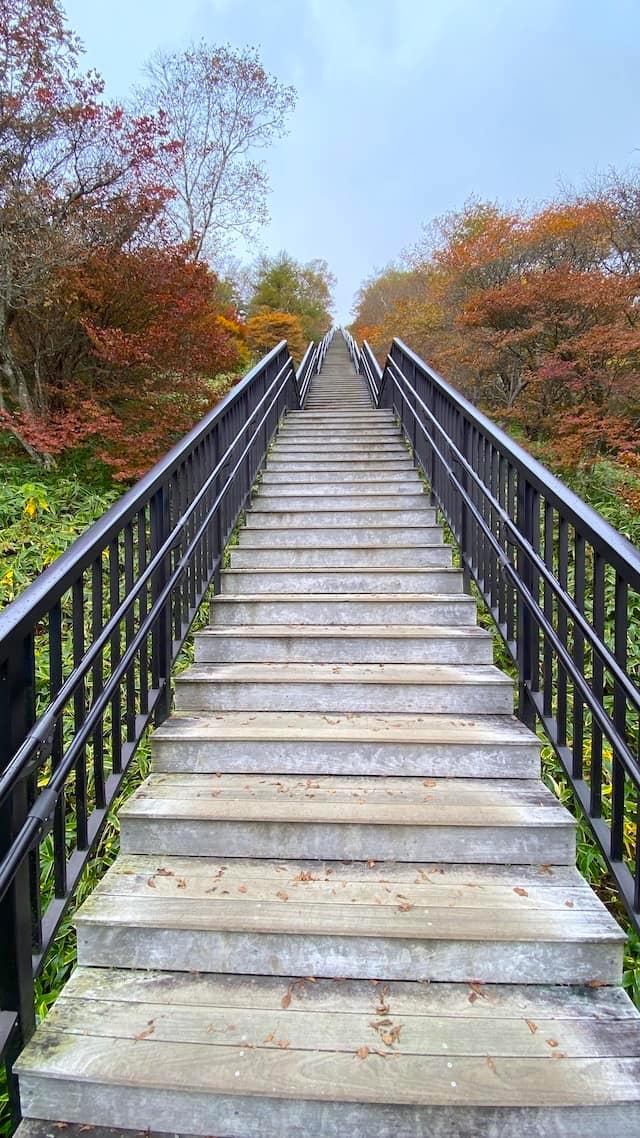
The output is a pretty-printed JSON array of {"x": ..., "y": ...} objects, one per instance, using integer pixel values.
[
  {"x": 391, "y": 1060},
  {"x": 246, "y": 556},
  {"x": 518, "y": 822},
  {"x": 347, "y": 608},
  {"x": 424, "y": 746},
  {"x": 338, "y": 579},
  {"x": 268, "y": 924},
  {"x": 315, "y": 537},
  {"x": 457, "y": 689},
  {"x": 344, "y": 645}
]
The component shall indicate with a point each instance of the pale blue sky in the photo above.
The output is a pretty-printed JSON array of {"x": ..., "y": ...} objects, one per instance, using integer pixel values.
[{"x": 405, "y": 107}]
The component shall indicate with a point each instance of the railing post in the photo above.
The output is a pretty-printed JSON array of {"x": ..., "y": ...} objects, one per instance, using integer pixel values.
[
  {"x": 465, "y": 521},
  {"x": 525, "y": 520},
  {"x": 160, "y": 522}
]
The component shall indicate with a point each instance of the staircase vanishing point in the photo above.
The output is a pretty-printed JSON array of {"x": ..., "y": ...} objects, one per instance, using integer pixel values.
[{"x": 345, "y": 903}]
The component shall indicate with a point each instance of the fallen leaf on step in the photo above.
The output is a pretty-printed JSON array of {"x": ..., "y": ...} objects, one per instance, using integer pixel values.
[
  {"x": 269, "y": 1038},
  {"x": 558, "y": 1055},
  {"x": 520, "y": 891},
  {"x": 283, "y": 1043},
  {"x": 551, "y": 1042},
  {"x": 476, "y": 989},
  {"x": 362, "y": 1052},
  {"x": 282, "y": 896},
  {"x": 405, "y": 907},
  {"x": 371, "y": 863},
  {"x": 429, "y": 782},
  {"x": 533, "y": 1027},
  {"x": 147, "y": 1031},
  {"x": 546, "y": 869},
  {"x": 242, "y": 889},
  {"x": 568, "y": 904},
  {"x": 164, "y": 873},
  {"x": 286, "y": 999},
  {"x": 491, "y": 1064},
  {"x": 305, "y": 875},
  {"x": 151, "y": 883}
]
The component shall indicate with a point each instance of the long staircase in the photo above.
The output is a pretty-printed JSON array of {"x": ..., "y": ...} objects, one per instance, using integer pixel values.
[{"x": 345, "y": 903}]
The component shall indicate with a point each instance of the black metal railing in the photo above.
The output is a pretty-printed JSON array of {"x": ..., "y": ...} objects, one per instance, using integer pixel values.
[
  {"x": 562, "y": 585},
  {"x": 364, "y": 362},
  {"x": 311, "y": 363},
  {"x": 85, "y": 663}
]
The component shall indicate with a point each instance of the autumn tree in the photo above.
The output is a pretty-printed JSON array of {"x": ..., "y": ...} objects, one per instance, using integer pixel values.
[
  {"x": 282, "y": 284},
  {"x": 269, "y": 327},
  {"x": 223, "y": 108},
  {"x": 533, "y": 315},
  {"x": 68, "y": 163}
]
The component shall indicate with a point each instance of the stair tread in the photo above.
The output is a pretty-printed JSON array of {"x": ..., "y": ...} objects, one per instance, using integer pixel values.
[
  {"x": 297, "y": 673},
  {"x": 306, "y": 1039},
  {"x": 278, "y": 903},
  {"x": 365, "y": 598},
  {"x": 374, "y": 801},
  {"x": 400, "y": 727},
  {"x": 357, "y": 631}
]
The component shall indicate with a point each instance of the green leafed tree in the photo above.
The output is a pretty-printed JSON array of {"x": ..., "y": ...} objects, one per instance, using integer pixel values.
[{"x": 282, "y": 284}]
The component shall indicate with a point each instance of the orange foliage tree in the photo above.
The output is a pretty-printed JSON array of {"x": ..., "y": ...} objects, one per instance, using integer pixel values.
[
  {"x": 268, "y": 328},
  {"x": 534, "y": 316}
]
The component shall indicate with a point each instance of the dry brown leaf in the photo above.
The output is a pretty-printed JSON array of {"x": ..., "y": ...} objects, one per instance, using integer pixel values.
[
  {"x": 520, "y": 891},
  {"x": 546, "y": 869},
  {"x": 473, "y": 997},
  {"x": 269, "y": 1038},
  {"x": 164, "y": 873},
  {"x": 147, "y": 1031},
  {"x": 286, "y": 999},
  {"x": 363, "y": 1052},
  {"x": 242, "y": 889},
  {"x": 569, "y": 904},
  {"x": 405, "y": 907},
  {"x": 596, "y": 983},
  {"x": 491, "y": 1064},
  {"x": 181, "y": 883},
  {"x": 282, "y": 896},
  {"x": 429, "y": 782},
  {"x": 552, "y": 1042},
  {"x": 151, "y": 883},
  {"x": 391, "y": 1037},
  {"x": 371, "y": 863},
  {"x": 476, "y": 986},
  {"x": 533, "y": 1027},
  {"x": 558, "y": 1055},
  {"x": 283, "y": 1043}
]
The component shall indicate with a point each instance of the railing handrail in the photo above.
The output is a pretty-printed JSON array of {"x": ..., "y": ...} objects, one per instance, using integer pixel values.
[
  {"x": 36, "y": 597},
  {"x": 627, "y": 555}
]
